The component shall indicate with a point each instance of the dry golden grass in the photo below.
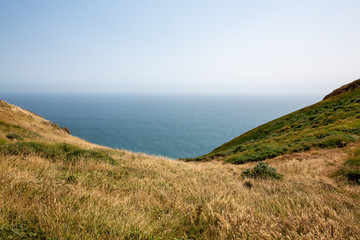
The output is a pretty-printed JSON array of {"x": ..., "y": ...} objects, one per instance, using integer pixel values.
[
  {"x": 48, "y": 132},
  {"x": 148, "y": 197}
]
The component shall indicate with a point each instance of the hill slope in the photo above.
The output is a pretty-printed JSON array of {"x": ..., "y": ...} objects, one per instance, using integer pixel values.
[
  {"x": 327, "y": 124},
  {"x": 56, "y": 186}
]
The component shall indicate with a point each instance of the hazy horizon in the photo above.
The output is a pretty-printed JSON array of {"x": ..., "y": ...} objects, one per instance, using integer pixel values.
[{"x": 187, "y": 47}]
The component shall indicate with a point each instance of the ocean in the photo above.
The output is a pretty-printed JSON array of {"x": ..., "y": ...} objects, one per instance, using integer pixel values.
[{"x": 175, "y": 126}]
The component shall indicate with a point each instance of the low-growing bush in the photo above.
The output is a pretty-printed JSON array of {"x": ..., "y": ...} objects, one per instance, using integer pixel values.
[
  {"x": 262, "y": 171},
  {"x": 248, "y": 184},
  {"x": 13, "y": 136},
  {"x": 353, "y": 175}
]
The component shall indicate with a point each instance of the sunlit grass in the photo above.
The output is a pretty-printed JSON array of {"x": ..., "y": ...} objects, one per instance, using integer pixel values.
[{"x": 144, "y": 197}]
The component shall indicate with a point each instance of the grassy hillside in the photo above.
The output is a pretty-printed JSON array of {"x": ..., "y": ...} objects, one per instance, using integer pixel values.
[
  {"x": 327, "y": 124},
  {"x": 56, "y": 186}
]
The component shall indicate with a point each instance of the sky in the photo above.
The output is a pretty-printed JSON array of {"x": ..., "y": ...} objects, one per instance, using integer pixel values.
[{"x": 179, "y": 47}]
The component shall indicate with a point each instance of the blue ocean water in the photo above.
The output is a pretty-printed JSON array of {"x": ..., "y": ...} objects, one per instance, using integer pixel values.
[{"x": 172, "y": 126}]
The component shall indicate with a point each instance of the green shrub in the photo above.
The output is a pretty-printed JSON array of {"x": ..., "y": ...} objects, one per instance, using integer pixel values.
[
  {"x": 13, "y": 136},
  {"x": 67, "y": 147},
  {"x": 248, "y": 184},
  {"x": 75, "y": 155},
  {"x": 353, "y": 175},
  {"x": 262, "y": 171}
]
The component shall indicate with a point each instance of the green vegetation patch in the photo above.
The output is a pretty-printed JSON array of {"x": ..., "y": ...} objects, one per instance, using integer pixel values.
[
  {"x": 14, "y": 227},
  {"x": 2, "y": 141},
  {"x": 57, "y": 152},
  {"x": 13, "y": 136},
  {"x": 8, "y": 127},
  {"x": 332, "y": 123},
  {"x": 16, "y": 132},
  {"x": 351, "y": 168},
  {"x": 262, "y": 171}
]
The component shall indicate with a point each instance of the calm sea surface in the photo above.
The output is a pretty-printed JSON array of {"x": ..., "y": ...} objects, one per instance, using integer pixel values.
[{"x": 173, "y": 126}]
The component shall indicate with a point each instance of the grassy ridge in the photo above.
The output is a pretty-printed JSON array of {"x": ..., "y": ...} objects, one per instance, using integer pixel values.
[{"x": 323, "y": 125}]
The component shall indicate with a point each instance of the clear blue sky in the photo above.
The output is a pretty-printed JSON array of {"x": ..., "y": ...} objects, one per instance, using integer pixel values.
[{"x": 235, "y": 47}]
